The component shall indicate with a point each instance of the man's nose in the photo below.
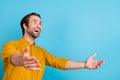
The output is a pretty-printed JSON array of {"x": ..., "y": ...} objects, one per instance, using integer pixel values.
[{"x": 40, "y": 27}]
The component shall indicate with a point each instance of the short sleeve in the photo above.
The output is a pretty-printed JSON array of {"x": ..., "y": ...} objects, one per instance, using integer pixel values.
[{"x": 55, "y": 61}]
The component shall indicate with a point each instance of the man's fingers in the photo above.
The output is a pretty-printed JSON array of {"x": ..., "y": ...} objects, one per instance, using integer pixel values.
[
  {"x": 32, "y": 65},
  {"x": 26, "y": 51},
  {"x": 93, "y": 56},
  {"x": 29, "y": 58},
  {"x": 100, "y": 62},
  {"x": 31, "y": 61},
  {"x": 33, "y": 68}
]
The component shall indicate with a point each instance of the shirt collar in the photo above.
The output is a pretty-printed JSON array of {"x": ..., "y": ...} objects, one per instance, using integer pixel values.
[{"x": 23, "y": 40}]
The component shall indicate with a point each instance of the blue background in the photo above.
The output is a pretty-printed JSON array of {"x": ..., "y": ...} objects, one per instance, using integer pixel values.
[{"x": 74, "y": 29}]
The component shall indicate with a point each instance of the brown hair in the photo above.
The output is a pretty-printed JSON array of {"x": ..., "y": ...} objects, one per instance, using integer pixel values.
[{"x": 25, "y": 20}]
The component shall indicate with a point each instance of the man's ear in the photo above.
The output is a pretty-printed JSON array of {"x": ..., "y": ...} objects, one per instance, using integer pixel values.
[{"x": 24, "y": 26}]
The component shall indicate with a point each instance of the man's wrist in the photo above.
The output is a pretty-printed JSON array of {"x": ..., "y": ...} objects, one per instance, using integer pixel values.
[{"x": 85, "y": 64}]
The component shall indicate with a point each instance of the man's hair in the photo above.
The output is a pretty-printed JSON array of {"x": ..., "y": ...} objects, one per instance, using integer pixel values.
[{"x": 25, "y": 20}]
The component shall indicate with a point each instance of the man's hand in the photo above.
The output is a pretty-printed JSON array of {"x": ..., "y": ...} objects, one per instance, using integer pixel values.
[
  {"x": 93, "y": 64},
  {"x": 30, "y": 62}
]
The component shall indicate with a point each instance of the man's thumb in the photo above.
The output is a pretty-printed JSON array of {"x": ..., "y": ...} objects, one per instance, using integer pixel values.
[
  {"x": 26, "y": 51},
  {"x": 94, "y": 55}
]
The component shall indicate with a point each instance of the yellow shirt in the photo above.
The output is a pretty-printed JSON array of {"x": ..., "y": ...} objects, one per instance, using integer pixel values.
[{"x": 12, "y": 72}]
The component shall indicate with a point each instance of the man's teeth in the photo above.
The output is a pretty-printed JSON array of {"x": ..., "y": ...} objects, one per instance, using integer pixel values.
[{"x": 36, "y": 30}]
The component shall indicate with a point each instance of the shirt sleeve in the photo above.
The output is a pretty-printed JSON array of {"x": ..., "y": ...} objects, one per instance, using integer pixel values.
[
  {"x": 55, "y": 61},
  {"x": 8, "y": 49}
]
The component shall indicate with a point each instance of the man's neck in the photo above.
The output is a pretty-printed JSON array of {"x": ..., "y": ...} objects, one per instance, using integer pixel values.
[{"x": 29, "y": 39}]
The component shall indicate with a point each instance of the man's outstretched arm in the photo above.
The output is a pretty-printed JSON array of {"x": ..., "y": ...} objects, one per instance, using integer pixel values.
[
  {"x": 27, "y": 61},
  {"x": 90, "y": 63}
]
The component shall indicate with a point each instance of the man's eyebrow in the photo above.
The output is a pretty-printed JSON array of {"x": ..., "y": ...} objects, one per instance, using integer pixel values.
[
  {"x": 37, "y": 20},
  {"x": 34, "y": 20}
]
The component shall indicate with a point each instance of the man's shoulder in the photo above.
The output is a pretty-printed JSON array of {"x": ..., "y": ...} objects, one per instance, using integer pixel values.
[
  {"x": 40, "y": 48},
  {"x": 11, "y": 42}
]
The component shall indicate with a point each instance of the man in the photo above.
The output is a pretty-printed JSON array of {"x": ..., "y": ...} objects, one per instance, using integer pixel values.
[{"x": 23, "y": 60}]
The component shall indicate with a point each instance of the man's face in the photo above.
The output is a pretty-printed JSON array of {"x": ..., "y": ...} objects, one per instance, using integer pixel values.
[{"x": 34, "y": 26}]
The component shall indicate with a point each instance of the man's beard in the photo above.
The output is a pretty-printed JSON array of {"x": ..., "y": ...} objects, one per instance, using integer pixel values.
[{"x": 32, "y": 34}]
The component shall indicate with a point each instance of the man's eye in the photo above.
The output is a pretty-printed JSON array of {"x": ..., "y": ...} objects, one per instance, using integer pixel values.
[{"x": 34, "y": 22}]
